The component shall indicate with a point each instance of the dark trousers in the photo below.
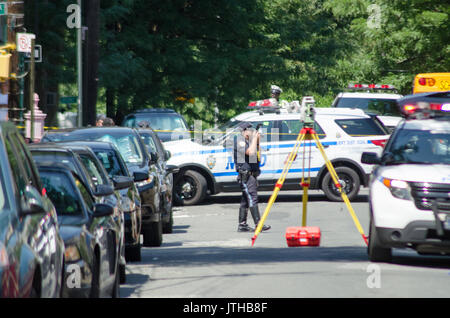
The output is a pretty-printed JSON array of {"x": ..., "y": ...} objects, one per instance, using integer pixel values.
[{"x": 249, "y": 192}]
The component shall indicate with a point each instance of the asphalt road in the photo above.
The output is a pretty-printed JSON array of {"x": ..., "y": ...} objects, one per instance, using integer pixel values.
[{"x": 206, "y": 257}]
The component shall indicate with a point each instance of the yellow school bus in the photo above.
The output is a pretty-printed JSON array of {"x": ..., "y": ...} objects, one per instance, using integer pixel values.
[{"x": 431, "y": 82}]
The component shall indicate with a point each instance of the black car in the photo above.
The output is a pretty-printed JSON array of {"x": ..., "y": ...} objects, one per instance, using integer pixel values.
[
  {"x": 410, "y": 104},
  {"x": 31, "y": 248},
  {"x": 167, "y": 123},
  {"x": 139, "y": 162},
  {"x": 115, "y": 167},
  {"x": 91, "y": 262},
  {"x": 154, "y": 145},
  {"x": 83, "y": 162}
]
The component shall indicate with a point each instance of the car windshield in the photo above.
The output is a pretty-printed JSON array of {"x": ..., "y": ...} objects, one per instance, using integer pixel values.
[
  {"x": 54, "y": 156},
  {"x": 375, "y": 105},
  {"x": 421, "y": 147},
  {"x": 147, "y": 138},
  {"x": 219, "y": 134},
  {"x": 127, "y": 143},
  {"x": 61, "y": 192},
  {"x": 111, "y": 162},
  {"x": 159, "y": 122}
]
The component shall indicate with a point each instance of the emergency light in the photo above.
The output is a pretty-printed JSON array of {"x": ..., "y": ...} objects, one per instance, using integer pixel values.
[
  {"x": 423, "y": 110},
  {"x": 371, "y": 86},
  {"x": 264, "y": 105}
]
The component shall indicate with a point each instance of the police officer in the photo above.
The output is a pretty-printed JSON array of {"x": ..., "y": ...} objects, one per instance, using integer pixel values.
[
  {"x": 275, "y": 92},
  {"x": 247, "y": 165}
]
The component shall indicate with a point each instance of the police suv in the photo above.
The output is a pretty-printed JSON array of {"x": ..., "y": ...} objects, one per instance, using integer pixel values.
[
  {"x": 207, "y": 167},
  {"x": 376, "y": 99},
  {"x": 410, "y": 188}
]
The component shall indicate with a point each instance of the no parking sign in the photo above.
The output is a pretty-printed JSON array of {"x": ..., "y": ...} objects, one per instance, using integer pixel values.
[{"x": 24, "y": 42}]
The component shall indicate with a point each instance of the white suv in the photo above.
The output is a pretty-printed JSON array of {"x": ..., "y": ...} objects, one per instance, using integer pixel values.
[
  {"x": 410, "y": 188},
  {"x": 373, "y": 99},
  {"x": 207, "y": 166}
]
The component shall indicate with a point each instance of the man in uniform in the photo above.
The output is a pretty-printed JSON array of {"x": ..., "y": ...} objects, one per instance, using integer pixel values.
[
  {"x": 275, "y": 92},
  {"x": 247, "y": 165}
]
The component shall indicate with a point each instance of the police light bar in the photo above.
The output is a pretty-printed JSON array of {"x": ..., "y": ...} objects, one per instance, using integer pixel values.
[
  {"x": 371, "y": 86},
  {"x": 266, "y": 104},
  {"x": 422, "y": 110}
]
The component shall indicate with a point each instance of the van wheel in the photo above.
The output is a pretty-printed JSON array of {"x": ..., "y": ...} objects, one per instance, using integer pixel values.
[
  {"x": 376, "y": 252},
  {"x": 349, "y": 180},
  {"x": 191, "y": 188}
]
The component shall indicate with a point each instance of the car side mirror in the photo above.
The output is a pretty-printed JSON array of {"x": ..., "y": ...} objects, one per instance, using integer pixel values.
[
  {"x": 103, "y": 190},
  {"x": 153, "y": 157},
  {"x": 101, "y": 209},
  {"x": 32, "y": 203},
  {"x": 140, "y": 176},
  {"x": 122, "y": 182},
  {"x": 172, "y": 169},
  {"x": 167, "y": 155},
  {"x": 387, "y": 158},
  {"x": 370, "y": 158}
]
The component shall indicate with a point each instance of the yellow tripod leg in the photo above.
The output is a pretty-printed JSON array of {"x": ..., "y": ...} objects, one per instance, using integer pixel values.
[
  {"x": 278, "y": 185},
  {"x": 335, "y": 178},
  {"x": 305, "y": 203}
]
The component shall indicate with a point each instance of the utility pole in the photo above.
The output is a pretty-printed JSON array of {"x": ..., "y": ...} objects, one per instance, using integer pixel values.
[
  {"x": 32, "y": 76},
  {"x": 79, "y": 67}
]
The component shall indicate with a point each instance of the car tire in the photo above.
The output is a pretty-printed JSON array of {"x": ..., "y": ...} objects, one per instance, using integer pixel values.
[
  {"x": 116, "y": 288},
  {"x": 168, "y": 226},
  {"x": 123, "y": 275},
  {"x": 153, "y": 234},
  {"x": 352, "y": 184},
  {"x": 375, "y": 251},
  {"x": 196, "y": 191},
  {"x": 95, "y": 284},
  {"x": 133, "y": 253}
]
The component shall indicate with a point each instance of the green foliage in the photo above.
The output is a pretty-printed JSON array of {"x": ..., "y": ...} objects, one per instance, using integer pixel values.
[{"x": 229, "y": 52}]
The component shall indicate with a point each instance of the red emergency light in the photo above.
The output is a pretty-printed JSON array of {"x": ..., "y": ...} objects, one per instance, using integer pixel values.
[
  {"x": 424, "y": 109},
  {"x": 372, "y": 86}
]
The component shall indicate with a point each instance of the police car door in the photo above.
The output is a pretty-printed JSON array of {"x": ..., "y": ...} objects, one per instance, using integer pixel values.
[
  {"x": 266, "y": 164},
  {"x": 289, "y": 130}
]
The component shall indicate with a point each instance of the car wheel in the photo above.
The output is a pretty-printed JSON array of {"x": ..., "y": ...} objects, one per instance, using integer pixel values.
[
  {"x": 132, "y": 254},
  {"x": 153, "y": 234},
  {"x": 168, "y": 226},
  {"x": 349, "y": 180},
  {"x": 116, "y": 288},
  {"x": 376, "y": 252},
  {"x": 95, "y": 284},
  {"x": 191, "y": 188},
  {"x": 123, "y": 275}
]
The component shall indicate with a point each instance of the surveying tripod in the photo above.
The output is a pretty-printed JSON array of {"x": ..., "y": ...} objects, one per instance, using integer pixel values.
[{"x": 307, "y": 133}]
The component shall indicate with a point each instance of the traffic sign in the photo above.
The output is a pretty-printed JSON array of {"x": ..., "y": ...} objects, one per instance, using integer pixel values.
[
  {"x": 37, "y": 54},
  {"x": 24, "y": 42},
  {"x": 3, "y": 8},
  {"x": 68, "y": 100}
]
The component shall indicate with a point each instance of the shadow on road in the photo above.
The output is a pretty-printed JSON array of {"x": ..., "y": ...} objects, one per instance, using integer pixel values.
[{"x": 264, "y": 198}]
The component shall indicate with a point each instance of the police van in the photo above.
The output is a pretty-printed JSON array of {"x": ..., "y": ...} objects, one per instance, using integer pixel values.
[
  {"x": 409, "y": 191},
  {"x": 207, "y": 167}
]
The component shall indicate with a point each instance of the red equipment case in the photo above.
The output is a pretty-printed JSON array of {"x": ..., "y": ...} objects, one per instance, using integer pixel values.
[{"x": 303, "y": 236}]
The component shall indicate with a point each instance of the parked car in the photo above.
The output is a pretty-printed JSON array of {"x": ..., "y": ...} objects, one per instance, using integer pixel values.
[
  {"x": 140, "y": 163},
  {"x": 88, "y": 230},
  {"x": 167, "y": 123},
  {"x": 115, "y": 167},
  {"x": 154, "y": 146},
  {"x": 31, "y": 248}
]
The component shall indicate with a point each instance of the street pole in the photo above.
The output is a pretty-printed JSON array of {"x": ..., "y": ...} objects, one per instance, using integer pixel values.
[
  {"x": 32, "y": 91},
  {"x": 79, "y": 68}
]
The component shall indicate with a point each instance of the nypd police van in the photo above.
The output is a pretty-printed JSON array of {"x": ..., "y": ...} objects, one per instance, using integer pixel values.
[{"x": 207, "y": 167}]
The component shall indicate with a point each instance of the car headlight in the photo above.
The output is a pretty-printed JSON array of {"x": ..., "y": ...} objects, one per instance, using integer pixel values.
[
  {"x": 399, "y": 188},
  {"x": 71, "y": 253},
  {"x": 145, "y": 182}
]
